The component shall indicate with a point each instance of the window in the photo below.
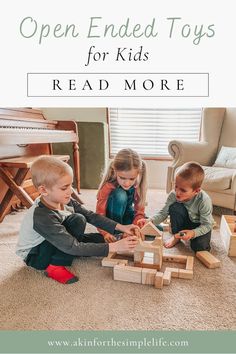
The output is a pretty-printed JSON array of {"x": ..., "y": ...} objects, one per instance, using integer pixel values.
[{"x": 148, "y": 131}]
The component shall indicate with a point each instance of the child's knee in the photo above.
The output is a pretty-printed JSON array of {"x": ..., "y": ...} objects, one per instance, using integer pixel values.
[
  {"x": 201, "y": 243},
  {"x": 75, "y": 224},
  {"x": 80, "y": 218},
  {"x": 119, "y": 195},
  {"x": 76, "y": 219}
]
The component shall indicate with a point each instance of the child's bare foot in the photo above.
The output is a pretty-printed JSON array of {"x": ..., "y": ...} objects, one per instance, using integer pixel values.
[{"x": 171, "y": 242}]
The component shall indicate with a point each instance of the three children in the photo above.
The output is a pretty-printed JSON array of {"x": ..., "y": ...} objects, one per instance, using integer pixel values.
[{"x": 53, "y": 231}]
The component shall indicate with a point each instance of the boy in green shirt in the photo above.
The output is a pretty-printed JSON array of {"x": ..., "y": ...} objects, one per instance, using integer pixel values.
[{"x": 189, "y": 208}]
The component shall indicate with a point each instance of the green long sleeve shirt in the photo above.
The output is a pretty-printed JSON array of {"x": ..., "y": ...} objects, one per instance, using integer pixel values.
[{"x": 199, "y": 210}]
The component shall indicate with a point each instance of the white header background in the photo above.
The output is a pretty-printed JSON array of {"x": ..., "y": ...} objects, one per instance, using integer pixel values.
[{"x": 216, "y": 55}]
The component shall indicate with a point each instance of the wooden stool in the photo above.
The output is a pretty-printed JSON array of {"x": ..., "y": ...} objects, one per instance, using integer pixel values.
[{"x": 15, "y": 181}]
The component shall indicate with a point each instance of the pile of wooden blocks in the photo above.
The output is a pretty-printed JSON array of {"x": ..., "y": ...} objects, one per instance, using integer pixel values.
[
  {"x": 148, "y": 259},
  {"x": 148, "y": 276}
]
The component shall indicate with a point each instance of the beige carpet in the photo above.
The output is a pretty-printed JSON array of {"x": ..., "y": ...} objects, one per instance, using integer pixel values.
[{"x": 29, "y": 300}]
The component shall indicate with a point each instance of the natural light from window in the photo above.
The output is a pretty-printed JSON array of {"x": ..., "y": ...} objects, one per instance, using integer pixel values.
[{"x": 149, "y": 130}]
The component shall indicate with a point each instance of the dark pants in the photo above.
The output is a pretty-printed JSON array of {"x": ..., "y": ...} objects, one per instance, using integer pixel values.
[
  {"x": 45, "y": 253},
  {"x": 120, "y": 206},
  {"x": 180, "y": 220}
]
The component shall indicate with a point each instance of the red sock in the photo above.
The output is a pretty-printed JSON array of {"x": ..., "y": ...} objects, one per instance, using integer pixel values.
[{"x": 60, "y": 274}]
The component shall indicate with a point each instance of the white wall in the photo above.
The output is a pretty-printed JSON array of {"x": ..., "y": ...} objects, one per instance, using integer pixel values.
[
  {"x": 157, "y": 170},
  {"x": 157, "y": 173}
]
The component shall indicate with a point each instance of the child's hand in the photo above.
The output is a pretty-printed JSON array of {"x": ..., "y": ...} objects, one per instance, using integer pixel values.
[
  {"x": 129, "y": 229},
  {"x": 124, "y": 245},
  {"x": 188, "y": 234},
  {"x": 142, "y": 222},
  {"x": 109, "y": 238},
  {"x": 136, "y": 233}
]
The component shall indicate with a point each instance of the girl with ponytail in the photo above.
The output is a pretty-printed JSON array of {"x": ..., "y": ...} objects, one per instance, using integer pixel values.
[{"x": 122, "y": 192}]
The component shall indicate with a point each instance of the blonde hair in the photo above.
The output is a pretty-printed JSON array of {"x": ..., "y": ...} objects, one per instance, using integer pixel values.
[
  {"x": 192, "y": 172},
  {"x": 46, "y": 170},
  {"x": 126, "y": 160}
]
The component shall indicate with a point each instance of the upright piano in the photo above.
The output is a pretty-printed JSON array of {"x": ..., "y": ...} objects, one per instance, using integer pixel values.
[{"x": 26, "y": 134}]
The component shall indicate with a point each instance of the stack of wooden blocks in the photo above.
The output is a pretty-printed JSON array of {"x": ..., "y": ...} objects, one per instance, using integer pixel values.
[
  {"x": 148, "y": 259},
  {"x": 151, "y": 276}
]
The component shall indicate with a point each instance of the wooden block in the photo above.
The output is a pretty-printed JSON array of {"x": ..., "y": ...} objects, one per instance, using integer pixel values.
[
  {"x": 150, "y": 229},
  {"x": 148, "y": 255},
  {"x": 143, "y": 246},
  {"x": 228, "y": 233},
  {"x": 147, "y": 265},
  {"x": 111, "y": 255},
  {"x": 127, "y": 273},
  {"x": 129, "y": 254},
  {"x": 174, "y": 258},
  {"x": 166, "y": 277},
  {"x": 147, "y": 260},
  {"x": 208, "y": 259},
  {"x": 232, "y": 247},
  {"x": 174, "y": 272},
  {"x": 138, "y": 256},
  {"x": 110, "y": 262},
  {"x": 147, "y": 247},
  {"x": 189, "y": 263},
  {"x": 154, "y": 258},
  {"x": 157, "y": 257},
  {"x": 158, "y": 280},
  {"x": 148, "y": 276},
  {"x": 185, "y": 274},
  {"x": 157, "y": 242}
]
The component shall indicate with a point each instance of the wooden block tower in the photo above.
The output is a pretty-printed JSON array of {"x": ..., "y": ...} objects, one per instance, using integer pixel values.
[{"x": 149, "y": 254}]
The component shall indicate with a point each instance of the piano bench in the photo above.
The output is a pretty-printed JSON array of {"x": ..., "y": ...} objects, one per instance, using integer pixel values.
[
  {"x": 15, "y": 181},
  {"x": 27, "y": 161}
]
